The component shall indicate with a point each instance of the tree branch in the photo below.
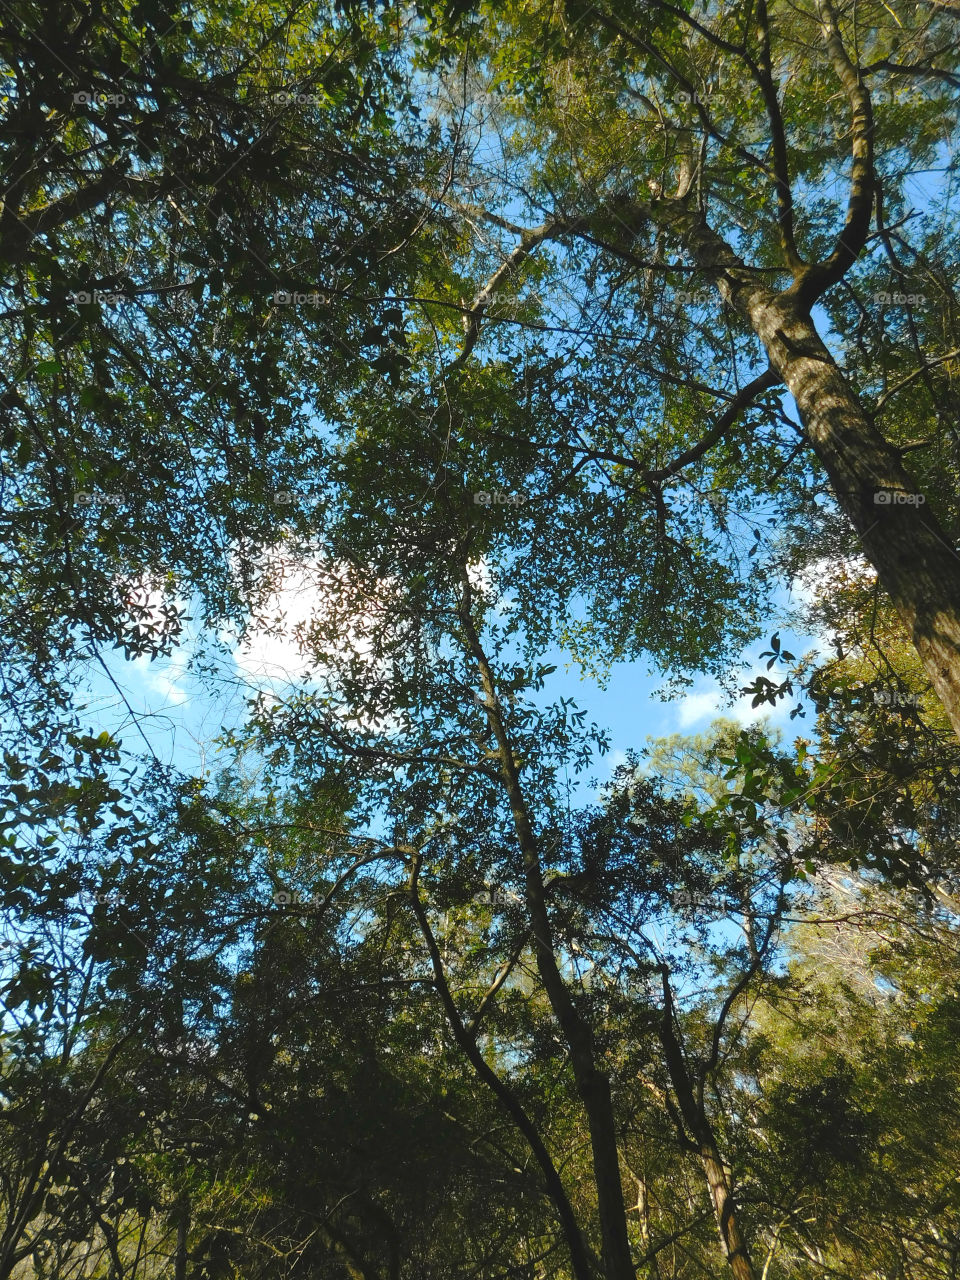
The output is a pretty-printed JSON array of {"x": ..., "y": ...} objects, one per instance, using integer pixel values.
[
  {"x": 579, "y": 1255},
  {"x": 814, "y": 280}
]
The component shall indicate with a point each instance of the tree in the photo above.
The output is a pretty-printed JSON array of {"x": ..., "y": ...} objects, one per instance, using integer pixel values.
[
  {"x": 180, "y": 185},
  {"x": 534, "y": 398},
  {"x": 851, "y": 1085},
  {"x": 655, "y": 134},
  {"x": 584, "y": 899}
]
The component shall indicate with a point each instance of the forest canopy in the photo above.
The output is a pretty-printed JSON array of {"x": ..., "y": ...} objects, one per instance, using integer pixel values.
[{"x": 472, "y": 353}]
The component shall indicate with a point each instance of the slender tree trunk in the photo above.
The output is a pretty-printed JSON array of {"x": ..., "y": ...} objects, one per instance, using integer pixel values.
[
  {"x": 579, "y": 1257},
  {"x": 643, "y": 1210},
  {"x": 183, "y": 1227},
  {"x": 704, "y": 1142},
  {"x": 593, "y": 1084}
]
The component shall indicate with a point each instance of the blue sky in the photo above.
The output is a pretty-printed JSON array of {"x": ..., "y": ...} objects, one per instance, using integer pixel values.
[{"x": 167, "y": 705}]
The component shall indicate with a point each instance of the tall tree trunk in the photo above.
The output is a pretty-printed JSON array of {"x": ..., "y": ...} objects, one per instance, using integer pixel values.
[
  {"x": 593, "y": 1084},
  {"x": 724, "y": 1207},
  {"x": 914, "y": 559},
  {"x": 916, "y": 563}
]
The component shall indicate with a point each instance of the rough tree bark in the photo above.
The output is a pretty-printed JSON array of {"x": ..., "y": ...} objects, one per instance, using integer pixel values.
[{"x": 915, "y": 561}]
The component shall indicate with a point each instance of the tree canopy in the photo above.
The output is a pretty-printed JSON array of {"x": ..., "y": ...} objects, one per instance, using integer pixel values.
[{"x": 499, "y": 335}]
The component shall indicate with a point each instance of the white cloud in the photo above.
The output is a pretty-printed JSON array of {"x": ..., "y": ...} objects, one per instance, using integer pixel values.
[
  {"x": 803, "y": 588},
  {"x": 809, "y": 586},
  {"x": 306, "y": 599},
  {"x": 274, "y": 650},
  {"x": 482, "y": 583},
  {"x": 709, "y": 701},
  {"x": 166, "y": 676},
  {"x": 479, "y": 576},
  {"x": 745, "y": 714},
  {"x": 148, "y": 605},
  {"x": 699, "y": 706},
  {"x": 713, "y": 703}
]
